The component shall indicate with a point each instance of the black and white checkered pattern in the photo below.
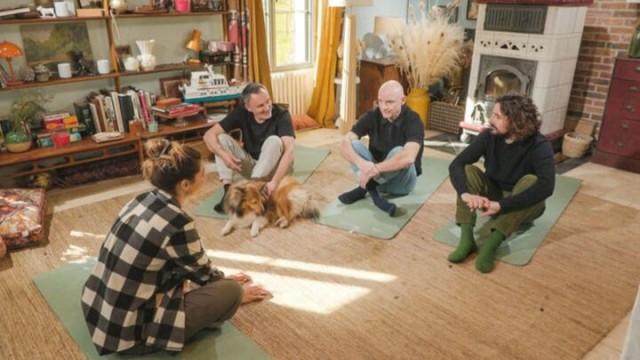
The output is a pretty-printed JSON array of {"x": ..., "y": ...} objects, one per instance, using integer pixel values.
[{"x": 135, "y": 292}]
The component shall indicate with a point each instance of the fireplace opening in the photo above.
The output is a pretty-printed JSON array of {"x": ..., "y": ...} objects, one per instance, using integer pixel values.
[
  {"x": 500, "y": 76},
  {"x": 502, "y": 82}
]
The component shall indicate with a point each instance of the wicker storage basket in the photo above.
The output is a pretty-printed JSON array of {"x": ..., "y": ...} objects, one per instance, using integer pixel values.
[
  {"x": 575, "y": 144},
  {"x": 445, "y": 117}
]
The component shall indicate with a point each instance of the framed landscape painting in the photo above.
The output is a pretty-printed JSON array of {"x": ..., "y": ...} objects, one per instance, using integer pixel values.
[{"x": 51, "y": 44}]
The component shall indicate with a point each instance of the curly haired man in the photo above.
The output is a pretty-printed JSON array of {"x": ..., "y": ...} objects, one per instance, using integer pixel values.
[{"x": 519, "y": 175}]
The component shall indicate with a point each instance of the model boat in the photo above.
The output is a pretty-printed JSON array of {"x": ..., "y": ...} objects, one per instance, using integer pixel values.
[{"x": 207, "y": 86}]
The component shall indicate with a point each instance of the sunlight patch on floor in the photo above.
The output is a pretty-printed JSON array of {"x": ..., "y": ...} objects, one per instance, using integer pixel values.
[
  {"x": 75, "y": 255},
  {"x": 79, "y": 234},
  {"x": 303, "y": 266},
  {"x": 314, "y": 296}
]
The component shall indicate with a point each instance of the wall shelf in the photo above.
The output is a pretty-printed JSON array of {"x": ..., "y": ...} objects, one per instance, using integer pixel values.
[
  {"x": 36, "y": 84},
  {"x": 47, "y": 159},
  {"x": 50, "y": 20}
]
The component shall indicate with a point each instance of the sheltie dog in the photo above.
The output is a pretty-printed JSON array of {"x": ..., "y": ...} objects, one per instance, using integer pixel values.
[{"x": 247, "y": 207}]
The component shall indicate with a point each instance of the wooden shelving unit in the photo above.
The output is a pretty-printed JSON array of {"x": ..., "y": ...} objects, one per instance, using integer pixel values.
[
  {"x": 46, "y": 159},
  {"x": 54, "y": 82},
  {"x": 50, "y": 20}
]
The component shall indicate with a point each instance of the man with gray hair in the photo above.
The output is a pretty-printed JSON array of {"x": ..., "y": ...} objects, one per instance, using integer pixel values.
[{"x": 265, "y": 148}]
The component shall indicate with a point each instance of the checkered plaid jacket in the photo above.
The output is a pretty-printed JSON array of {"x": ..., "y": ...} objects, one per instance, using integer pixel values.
[{"x": 135, "y": 293}]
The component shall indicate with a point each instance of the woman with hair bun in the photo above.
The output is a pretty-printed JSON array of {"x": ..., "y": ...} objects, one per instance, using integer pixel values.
[{"x": 153, "y": 286}]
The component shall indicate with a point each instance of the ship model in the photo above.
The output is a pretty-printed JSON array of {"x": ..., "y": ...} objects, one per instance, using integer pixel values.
[{"x": 207, "y": 86}]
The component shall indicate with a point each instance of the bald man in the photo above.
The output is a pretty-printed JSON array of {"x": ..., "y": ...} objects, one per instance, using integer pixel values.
[{"x": 392, "y": 162}]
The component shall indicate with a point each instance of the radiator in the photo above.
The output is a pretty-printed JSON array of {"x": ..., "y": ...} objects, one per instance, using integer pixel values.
[{"x": 294, "y": 88}]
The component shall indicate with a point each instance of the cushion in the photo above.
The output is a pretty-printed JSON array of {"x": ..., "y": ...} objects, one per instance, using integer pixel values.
[
  {"x": 303, "y": 121},
  {"x": 22, "y": 213}
]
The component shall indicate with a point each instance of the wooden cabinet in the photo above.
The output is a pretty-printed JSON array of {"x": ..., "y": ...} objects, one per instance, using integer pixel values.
[
  {"x": 372, "y": 75},
  {"x": 619, "y": 140}
]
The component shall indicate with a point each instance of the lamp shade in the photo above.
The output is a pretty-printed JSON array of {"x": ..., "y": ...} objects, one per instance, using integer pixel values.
[
  {"x": 195, "y": 43},
  {"x": 9, "y": 50},
  {"x": 347, "y": 3}
]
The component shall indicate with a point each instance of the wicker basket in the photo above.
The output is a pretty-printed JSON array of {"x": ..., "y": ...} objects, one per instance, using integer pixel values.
[
  {"x": 575, "y": 144},
  {"x": 445, "y": 117}
]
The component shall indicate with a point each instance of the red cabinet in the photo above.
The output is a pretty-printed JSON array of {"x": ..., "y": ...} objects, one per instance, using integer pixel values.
[{"x": 619, "y": 139}]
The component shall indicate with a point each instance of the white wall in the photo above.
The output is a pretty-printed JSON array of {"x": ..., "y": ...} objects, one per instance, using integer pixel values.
[{"x": 365, "y": 14}]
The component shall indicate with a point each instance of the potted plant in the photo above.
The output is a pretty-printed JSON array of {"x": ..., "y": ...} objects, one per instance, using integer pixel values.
[
  {"x": 27, "y": 108},
  {"x": 426, "y": 51}
]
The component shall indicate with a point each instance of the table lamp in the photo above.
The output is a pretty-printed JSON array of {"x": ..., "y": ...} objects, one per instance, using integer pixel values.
[
  {"x": 8, "y": 51},
  {"x": 347, "y": 112},
  {"x": 195, "y": 45}
]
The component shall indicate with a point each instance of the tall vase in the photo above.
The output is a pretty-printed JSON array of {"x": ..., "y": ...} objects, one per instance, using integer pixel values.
[
  {"x": 418, "y": 100},
  {"x": 146, "y": 58}
]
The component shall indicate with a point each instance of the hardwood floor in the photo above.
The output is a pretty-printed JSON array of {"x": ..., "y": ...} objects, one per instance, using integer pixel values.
[{"x": 344, "y": 296}]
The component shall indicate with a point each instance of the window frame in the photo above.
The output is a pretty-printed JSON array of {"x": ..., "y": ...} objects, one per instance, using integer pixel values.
[{"x": 269, "y": 5}]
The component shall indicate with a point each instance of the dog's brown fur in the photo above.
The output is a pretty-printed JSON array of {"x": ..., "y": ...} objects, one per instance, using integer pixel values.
[{"x": 246, "y": 205}]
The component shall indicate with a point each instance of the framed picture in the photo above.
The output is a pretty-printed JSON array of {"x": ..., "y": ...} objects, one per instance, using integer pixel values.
[
  {"x": 169, "y": 87},
  {"x": 51, "y": 44},
  {"x": 418, "y": 10},
  {"x": 90, "y": 4},
  {"x": 472, "y": 10}
]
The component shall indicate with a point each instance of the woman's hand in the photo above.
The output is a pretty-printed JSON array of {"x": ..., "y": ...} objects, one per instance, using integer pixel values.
[
  {"x": 254, "y": 293},
  {"x": 240, "y": 278}
]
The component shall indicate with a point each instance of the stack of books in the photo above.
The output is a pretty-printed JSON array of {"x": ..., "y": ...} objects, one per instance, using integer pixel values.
[
  {"x": 13, "y": 11},
  {"x": 178, "y": 110},
  {"x": 111, "y": 111}
]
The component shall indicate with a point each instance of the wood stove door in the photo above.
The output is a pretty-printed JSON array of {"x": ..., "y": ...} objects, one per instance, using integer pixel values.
[{"x": 502, "y": 80}]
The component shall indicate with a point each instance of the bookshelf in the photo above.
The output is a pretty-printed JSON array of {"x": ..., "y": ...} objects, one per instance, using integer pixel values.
[{"x": 37, "y": 160}]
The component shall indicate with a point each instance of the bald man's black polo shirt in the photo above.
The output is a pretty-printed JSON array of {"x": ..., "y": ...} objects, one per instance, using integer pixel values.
[{"x": 384, "y": 135}]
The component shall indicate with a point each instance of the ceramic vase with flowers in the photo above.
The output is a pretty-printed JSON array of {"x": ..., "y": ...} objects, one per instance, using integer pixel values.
[
  {"x": 426, "y": 51},
  {"x": 146, "y": 58},
  {"x": 24, "y": 110}
]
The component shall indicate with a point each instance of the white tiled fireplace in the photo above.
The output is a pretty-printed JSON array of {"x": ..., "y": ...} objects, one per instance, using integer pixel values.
[{"x": 529, "y": 47}]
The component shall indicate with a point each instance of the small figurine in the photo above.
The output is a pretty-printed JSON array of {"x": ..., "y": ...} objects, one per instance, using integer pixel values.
[
  {"x": 27, "y": 74},
  {"x": 46, "y": 12},
  {"x": 80, "y": 64}
]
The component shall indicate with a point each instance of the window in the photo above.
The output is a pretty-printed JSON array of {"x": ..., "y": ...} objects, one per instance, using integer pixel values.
[{"x": 288, "y": 24}]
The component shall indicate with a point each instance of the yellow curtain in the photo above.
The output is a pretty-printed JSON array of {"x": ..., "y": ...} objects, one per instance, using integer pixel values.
[
  {"x": 323, "y": 100},
  {"x": 259, "y": 70}
]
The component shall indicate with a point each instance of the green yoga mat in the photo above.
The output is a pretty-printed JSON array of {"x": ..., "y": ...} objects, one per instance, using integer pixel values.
[
  {"x": 519, "y": 248},
  {"x": 306, "y": 160},
  {"x": 365, "y": 218},
  {"x": 62, "y": 288}
]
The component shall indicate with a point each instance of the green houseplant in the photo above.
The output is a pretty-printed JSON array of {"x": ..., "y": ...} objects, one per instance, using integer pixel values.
[{"x": 26, "y": 109}]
